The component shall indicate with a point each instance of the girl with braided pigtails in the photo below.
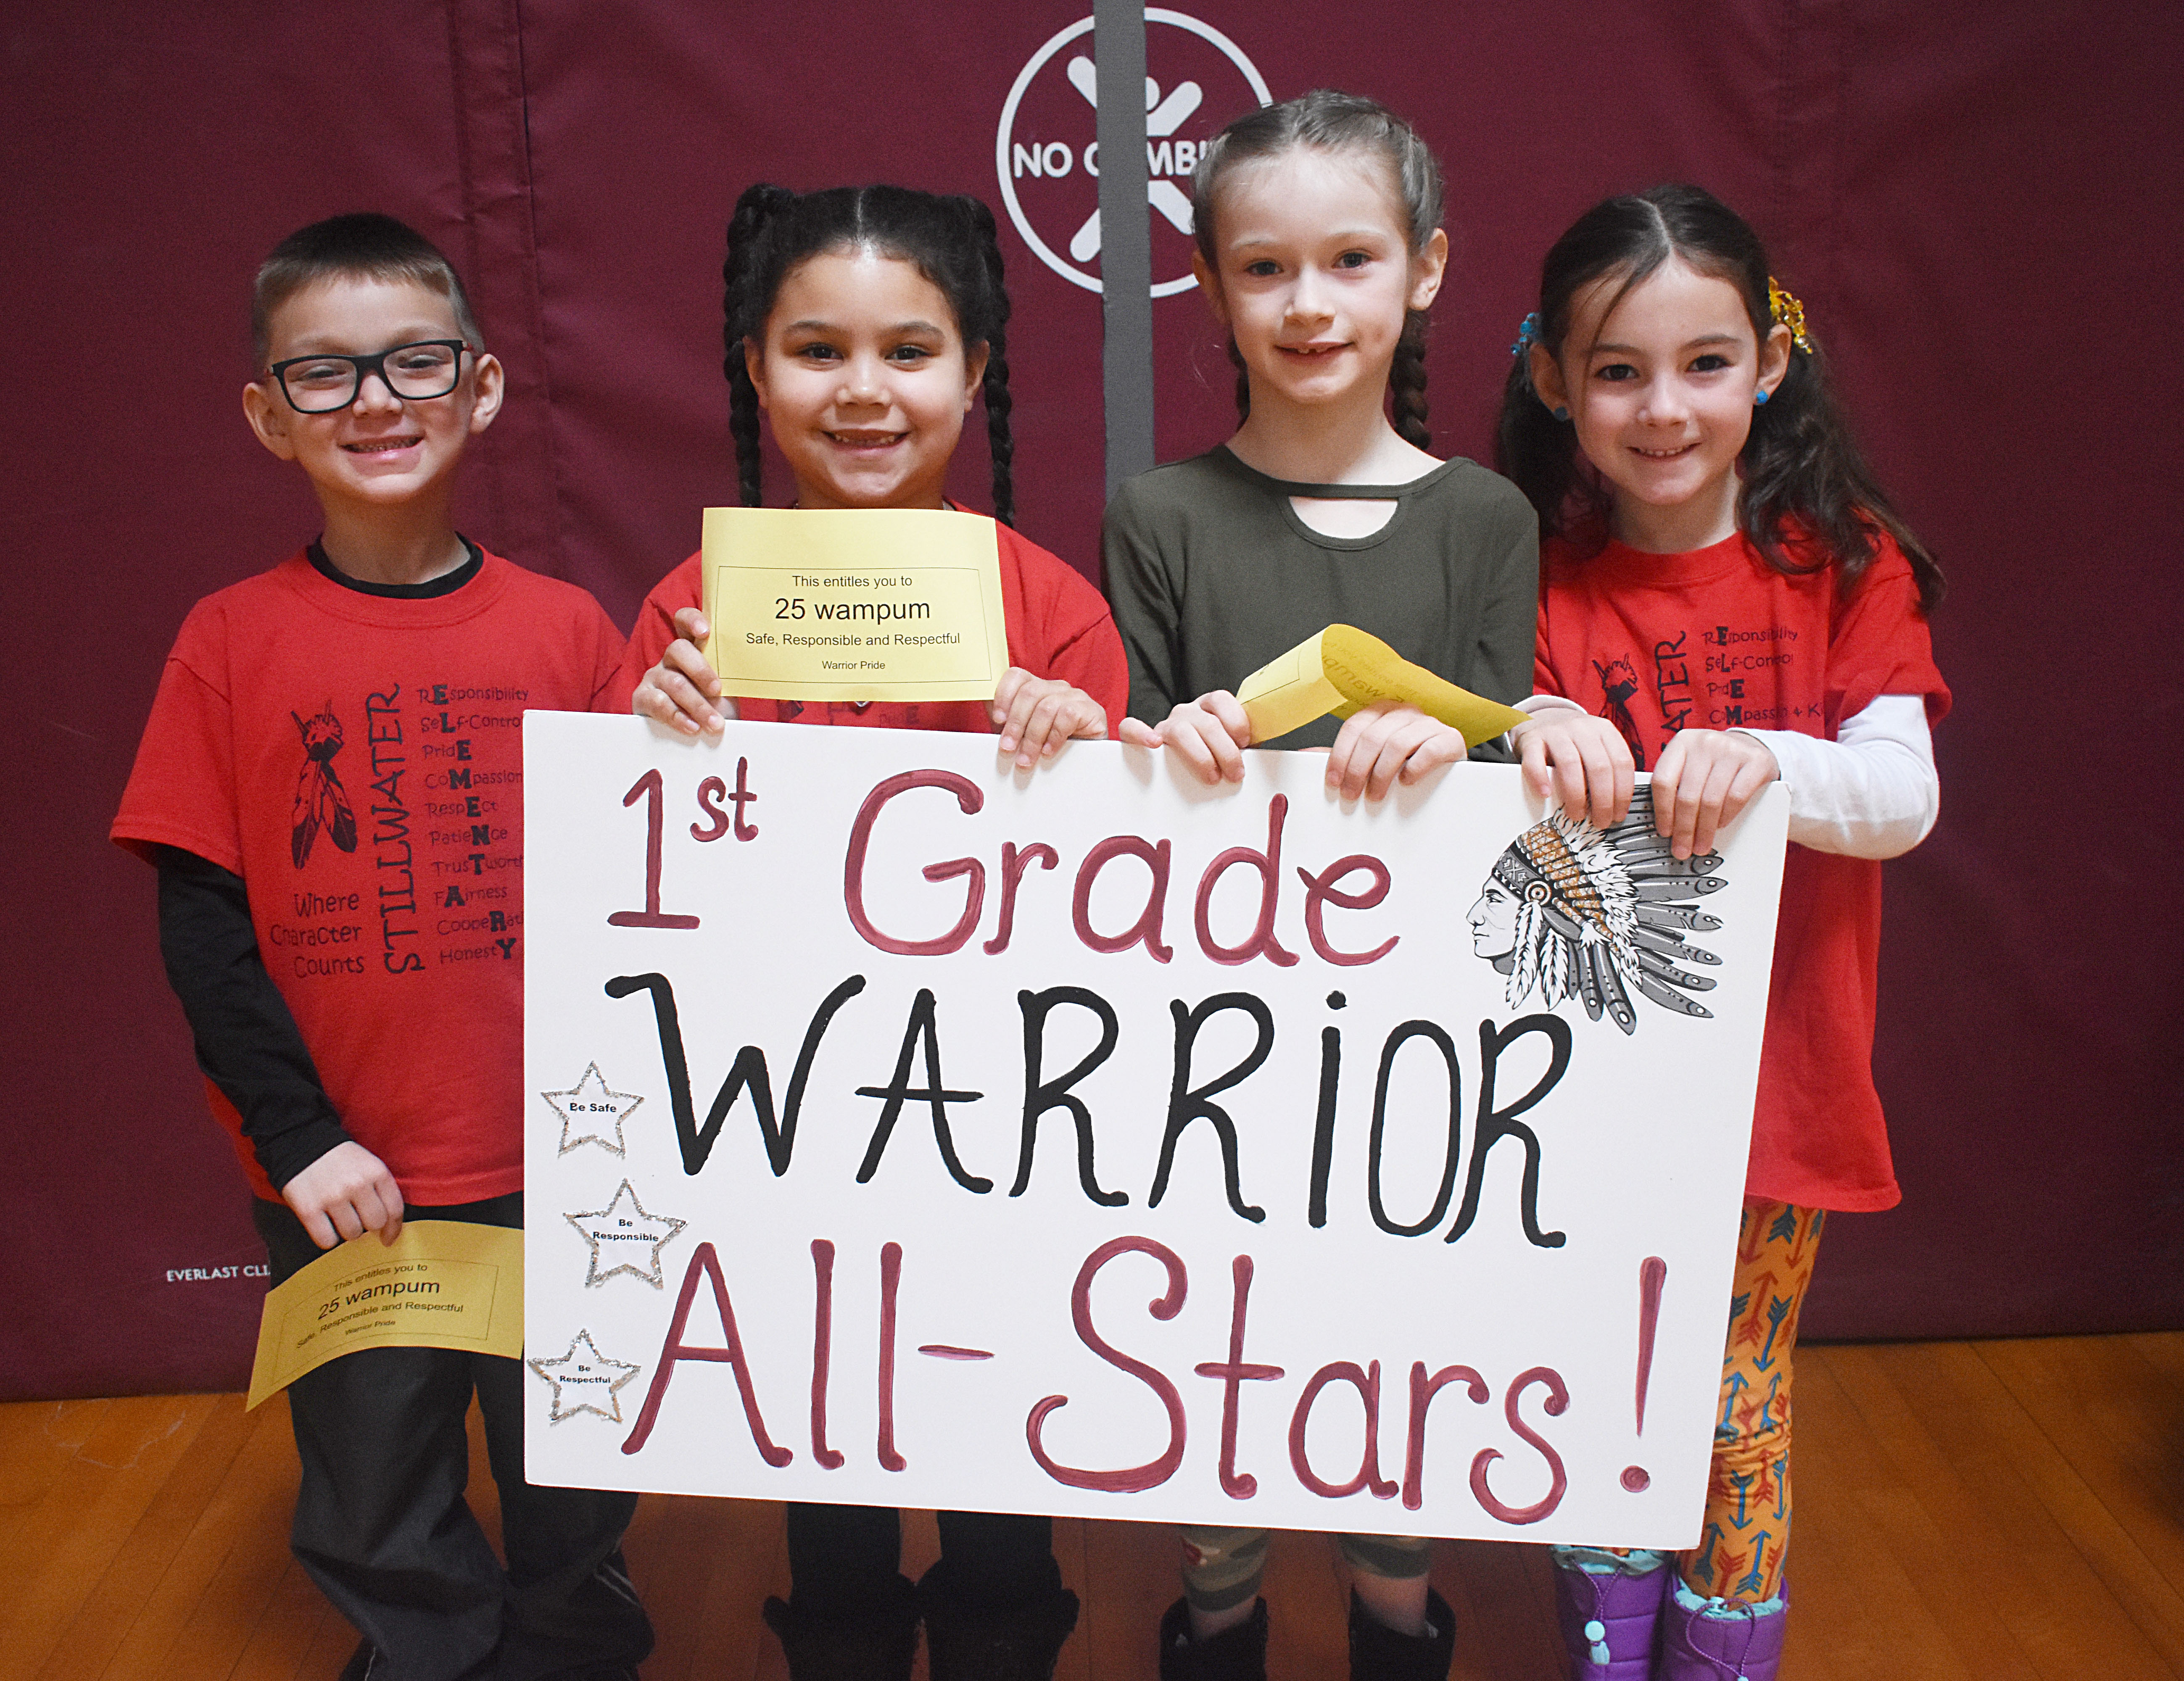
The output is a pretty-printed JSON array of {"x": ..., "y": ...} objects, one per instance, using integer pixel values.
[
  {"x": 1726, "y": 598},
  {"x": 865, "y": 322},
  {"x": 1320, "y": 248}
]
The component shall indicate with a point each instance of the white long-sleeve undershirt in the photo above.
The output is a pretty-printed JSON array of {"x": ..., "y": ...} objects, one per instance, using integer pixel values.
[{"x": 1871, "y": 792}]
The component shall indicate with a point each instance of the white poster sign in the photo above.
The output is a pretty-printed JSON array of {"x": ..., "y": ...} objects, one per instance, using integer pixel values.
[{"x": 910, "y": 1131}]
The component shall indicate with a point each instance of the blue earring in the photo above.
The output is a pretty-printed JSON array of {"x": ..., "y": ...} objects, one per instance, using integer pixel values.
[
  {"x": 1759, "y": 398},
  {"x": 1561, "y": 413}
]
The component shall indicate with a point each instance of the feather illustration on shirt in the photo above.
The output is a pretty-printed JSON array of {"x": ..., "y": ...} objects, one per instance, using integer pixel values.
[
  {"x": 1618, "y": 683},
  {"x": 321, "y": 802}
]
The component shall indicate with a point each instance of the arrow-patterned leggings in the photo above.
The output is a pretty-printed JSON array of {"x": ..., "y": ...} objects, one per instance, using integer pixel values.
[{"x": 1747, "y": 1513}]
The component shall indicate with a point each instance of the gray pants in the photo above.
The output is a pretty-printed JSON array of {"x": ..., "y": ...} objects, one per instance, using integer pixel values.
[{"x": 382, "y": 1528}]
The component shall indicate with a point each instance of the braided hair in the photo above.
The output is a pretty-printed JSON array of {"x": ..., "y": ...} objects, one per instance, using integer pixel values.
[
  {"x": 951, "y": 241},
  {"x": 1330, "y": 121},
  {"x": 1803, "y": 475}
]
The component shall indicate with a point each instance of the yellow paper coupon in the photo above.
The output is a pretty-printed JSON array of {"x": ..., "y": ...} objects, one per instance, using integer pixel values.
[
  {"x": 441, "y": 1284},
  {"x": 881, "y": 604},
  {"x": 1342, "y": 669}
]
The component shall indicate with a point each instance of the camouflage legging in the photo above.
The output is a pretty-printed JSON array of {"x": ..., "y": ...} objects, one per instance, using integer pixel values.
[{"x": 1223, "y": 1567}]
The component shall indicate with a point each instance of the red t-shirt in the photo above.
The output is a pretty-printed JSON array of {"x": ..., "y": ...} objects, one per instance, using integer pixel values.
[
  {"x": 1058, "y": 627},
  {"x": 358, "y": 760},
  {"x": 1718, "y": 639}
]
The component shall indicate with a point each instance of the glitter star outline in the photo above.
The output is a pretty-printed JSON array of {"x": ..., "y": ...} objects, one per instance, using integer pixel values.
[
  {"x": 587, "y": 1367},
  {"x": 580, "y": 1126},
  {"x": 613, "y": 1224}
]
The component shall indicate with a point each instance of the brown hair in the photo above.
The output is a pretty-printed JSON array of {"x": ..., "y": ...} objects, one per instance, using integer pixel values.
[
  {"x": 1330, "y": 121},
  {"x": 363, "y": 246},
  {"x": 1802, "y": 475}
]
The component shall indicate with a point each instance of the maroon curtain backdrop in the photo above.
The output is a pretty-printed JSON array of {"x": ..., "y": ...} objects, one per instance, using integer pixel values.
[{"x": 1976, "y": 204}]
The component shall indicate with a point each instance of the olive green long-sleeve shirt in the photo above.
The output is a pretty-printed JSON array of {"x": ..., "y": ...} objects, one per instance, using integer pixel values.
[{"x": 1212, "y": 573}]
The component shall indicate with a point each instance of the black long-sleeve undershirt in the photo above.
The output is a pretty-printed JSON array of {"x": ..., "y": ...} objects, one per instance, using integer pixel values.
[{"x": 247, "y": 1042}]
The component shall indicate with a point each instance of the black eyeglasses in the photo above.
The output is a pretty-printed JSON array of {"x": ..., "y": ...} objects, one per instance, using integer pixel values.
[{"x": 320, "y": 385}]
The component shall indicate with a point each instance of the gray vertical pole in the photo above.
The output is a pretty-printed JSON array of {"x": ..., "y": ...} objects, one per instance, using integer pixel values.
[{"x": 1126, "y": 357}]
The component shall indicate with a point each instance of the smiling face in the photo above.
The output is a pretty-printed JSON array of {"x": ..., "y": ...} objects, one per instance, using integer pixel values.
[
  {"x": 1493, "y": 919},
  {"x": 864, "y": 380},
  {"x": 1313, "y": 275},
  {"x": 1660, "y": 385},
  {"x": 382, "y": 449}
]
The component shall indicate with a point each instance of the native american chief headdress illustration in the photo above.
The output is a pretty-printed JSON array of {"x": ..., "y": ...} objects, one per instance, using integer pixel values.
[{"x": 1592, "y": 914}]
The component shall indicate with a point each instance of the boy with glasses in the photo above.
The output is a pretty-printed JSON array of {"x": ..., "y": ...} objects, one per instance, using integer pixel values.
[{"x": 331, "y": 786}]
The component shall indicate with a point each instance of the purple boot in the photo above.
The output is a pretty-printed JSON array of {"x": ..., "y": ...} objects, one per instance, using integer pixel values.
[
  {"x": 1608, "y": 1605},
  {"x": 1718, "y": 1640}
]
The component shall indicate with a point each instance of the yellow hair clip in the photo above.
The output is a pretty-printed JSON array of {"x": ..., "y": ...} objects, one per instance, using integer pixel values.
[{"x": 1790, "y": 313}]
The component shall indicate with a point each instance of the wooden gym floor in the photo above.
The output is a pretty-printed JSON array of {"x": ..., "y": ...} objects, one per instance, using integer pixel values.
[{"x": 1998, "y": 1510}]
